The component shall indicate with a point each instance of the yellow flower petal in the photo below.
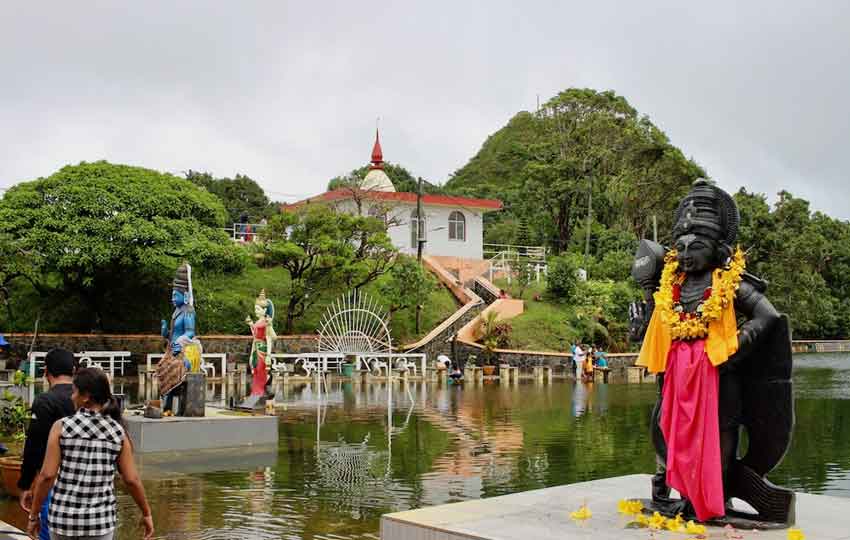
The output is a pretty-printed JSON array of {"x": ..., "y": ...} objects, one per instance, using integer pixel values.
[
  {"x": 626, "y": 506},
  {"x": 796, "y": 534},
  {"x": 694, "y": 528},
  {"x": 657, "y": 521},
  {"x": 582, "y": 513}
]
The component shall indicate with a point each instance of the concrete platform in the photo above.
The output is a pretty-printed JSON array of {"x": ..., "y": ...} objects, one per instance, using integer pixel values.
[
  {"x": 245, "y": 458},
  {"x": 218, "y": 429},
  {"x": 544, "y": 514},
  {"x": 7, "y": 532}
]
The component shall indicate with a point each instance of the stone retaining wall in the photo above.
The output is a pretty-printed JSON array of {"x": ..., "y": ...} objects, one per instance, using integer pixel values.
[
  {"x": 529, "y": 359},
  {"x": 487, "y": 294},
  {"x": 237, "y": 347}
]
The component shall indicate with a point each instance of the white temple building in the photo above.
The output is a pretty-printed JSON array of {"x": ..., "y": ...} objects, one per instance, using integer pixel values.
[{"x": 451, "y": 226}]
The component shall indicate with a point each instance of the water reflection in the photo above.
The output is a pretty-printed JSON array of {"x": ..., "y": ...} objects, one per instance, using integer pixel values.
[{"x": 349, "y": 453}]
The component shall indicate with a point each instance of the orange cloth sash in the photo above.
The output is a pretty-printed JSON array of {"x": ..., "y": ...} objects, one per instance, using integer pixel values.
[{"x": 721, "y": 343}]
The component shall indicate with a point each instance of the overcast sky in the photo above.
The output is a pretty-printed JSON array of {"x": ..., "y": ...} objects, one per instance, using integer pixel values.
[{"x": 756, "y": 92}]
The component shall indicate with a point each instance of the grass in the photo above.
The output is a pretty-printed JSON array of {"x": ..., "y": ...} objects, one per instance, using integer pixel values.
[
  {"x": 543, "y": 325},
  {"x": 552, "y": 326}
]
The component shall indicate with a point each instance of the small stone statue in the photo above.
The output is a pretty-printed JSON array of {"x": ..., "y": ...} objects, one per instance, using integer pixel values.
[
  {"x": 183, "y": 349},
  {"x": 715, "y": 376},
  {"x": 263, "y": 343}
]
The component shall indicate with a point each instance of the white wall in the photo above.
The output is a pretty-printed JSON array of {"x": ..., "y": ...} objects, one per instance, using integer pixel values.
[
  {"x": 437, "y": 229},
  {"x": 437, "y": 232}
]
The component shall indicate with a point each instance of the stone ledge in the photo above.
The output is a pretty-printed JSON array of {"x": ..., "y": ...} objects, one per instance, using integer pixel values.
[{"x": 544, "y": 514}]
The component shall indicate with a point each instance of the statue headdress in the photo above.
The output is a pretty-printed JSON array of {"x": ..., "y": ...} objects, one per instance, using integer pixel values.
[
  {"x": 265, "y": 303},
  {"x": 183, "y": 282},
  {"x": 708, "y": 211}
]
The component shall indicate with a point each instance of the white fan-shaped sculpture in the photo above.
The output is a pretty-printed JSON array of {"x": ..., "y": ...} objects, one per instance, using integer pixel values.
[{"x": 355, "y": 324}]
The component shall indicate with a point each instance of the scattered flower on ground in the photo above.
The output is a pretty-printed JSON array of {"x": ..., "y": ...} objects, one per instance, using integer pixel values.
[
  {"x": 582, "y": 513},
  {"x": 626, "y": 506},
  {"x": 694, "y": 528},
  {"x": 657, "y": 521},
  {"x": 796, "y": 534}
]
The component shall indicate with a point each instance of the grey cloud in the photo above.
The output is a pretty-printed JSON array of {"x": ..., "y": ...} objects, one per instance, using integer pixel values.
[{"x": 288, "y": 93}]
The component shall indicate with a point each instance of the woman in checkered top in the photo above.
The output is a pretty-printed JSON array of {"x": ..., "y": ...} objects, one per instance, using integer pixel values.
[{"x": 83, "y": 453}]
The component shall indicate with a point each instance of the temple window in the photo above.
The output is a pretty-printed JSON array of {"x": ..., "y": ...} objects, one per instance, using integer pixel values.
[{"x": 457, "y": 226}]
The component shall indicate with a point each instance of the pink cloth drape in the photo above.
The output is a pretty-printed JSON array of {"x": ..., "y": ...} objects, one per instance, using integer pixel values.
[{"x": 689, "y": 421}]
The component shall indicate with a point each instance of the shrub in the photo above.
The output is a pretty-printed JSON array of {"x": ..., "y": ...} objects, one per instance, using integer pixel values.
[{"x": 562, "y": 279}]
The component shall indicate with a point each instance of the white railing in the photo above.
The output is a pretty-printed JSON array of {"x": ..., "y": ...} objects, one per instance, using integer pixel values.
[
  {"x": 324, "y": 362},
  {"x": 310, "y": 362},
  {"x": 102, "y": 360},
  {"x": 506, "y": 263},
  {"x": 392, "y": 361},
  {"x": 245, "y": 232},
  {"x": 536, "y": 254}
]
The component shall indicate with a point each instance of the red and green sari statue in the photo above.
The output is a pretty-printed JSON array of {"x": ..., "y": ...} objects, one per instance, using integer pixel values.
[{"x": 262, "y": 345}]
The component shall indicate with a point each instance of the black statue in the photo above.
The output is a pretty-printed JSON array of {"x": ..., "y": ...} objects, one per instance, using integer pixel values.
[{"x": 709, "y": 331}]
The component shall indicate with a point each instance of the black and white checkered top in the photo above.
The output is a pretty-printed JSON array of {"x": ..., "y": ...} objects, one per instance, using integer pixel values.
[{"x": 84, "y": 501}]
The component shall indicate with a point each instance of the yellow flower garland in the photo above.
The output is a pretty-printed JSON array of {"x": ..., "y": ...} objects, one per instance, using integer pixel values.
[{"x": 724, "y": 286}]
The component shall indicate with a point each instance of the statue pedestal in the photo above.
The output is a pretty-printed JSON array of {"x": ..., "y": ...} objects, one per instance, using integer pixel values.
[
  {"x": 219, "y": 429},
  {"x": 194, "y": 396},
  {"x": 544, "y": 514}
]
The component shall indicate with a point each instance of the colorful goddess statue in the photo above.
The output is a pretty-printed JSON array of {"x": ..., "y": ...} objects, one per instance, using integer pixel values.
[
  {"x": 263, "y": 343},
  {"x": 716, "y": 376},
  {"x": 183, "y": 349}
]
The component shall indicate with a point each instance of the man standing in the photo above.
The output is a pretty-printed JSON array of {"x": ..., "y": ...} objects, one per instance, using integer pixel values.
[{"x": 47, "y": 408}]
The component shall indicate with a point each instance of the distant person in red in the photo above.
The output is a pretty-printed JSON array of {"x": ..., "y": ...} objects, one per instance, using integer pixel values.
[{"x": 503, "y": 294}]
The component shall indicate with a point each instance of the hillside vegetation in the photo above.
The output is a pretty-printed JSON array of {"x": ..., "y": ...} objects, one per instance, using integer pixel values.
[{"x": 586, "y": 176}]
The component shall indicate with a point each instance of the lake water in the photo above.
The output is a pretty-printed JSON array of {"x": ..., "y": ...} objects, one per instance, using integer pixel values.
[{"x": 343, "y": 461}]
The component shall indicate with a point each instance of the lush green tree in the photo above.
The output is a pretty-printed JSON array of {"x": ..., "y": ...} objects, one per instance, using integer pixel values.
[
  {"x": 110, "y": 235},
  {"x": 243, "y": 198},
  {"x": 804, "y": 256},
  {"x": 545, "y": 167},
  {"x": 594, "y": 152},
  {"x": 16, "y": 264},
  {"x": 407, "y": 287},
  {"x": 323, "y": 250},
  {"x": 524, "y": 273}
]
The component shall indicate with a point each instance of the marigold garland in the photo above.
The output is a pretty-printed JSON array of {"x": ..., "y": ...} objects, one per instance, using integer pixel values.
[{"x": 685, "y": 326}]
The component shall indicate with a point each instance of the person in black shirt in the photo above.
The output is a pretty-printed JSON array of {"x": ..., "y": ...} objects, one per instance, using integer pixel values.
[{"x": 47, "y": 408}]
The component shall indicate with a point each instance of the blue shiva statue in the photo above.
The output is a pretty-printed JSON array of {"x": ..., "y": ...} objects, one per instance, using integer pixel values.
[{"x": 183, "y": 349}]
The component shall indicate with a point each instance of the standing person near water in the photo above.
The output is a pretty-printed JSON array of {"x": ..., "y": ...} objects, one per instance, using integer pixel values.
[
  {"x": 47, "y": 408},
  {"x": 83, "y": 453},
  {"x": 579, "y": 355}
]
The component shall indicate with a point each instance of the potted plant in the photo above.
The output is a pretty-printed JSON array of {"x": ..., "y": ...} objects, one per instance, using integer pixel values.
[
  {"x": 14, "y": 417},
  {"x": 494, "y": 335}
]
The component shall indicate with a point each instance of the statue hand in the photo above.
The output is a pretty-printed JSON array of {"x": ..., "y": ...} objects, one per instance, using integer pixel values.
[{"x": 176, "y": 348}]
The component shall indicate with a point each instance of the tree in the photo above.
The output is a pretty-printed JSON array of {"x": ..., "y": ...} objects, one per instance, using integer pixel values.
[
  {"x": 15, "y": 263},
  {"x": 524, "y": 272},
  {"x": 323, "y": 250},
  {"x": 241, "y": 196},
  {"x": 594, "y": 152},
  {"x": 562, "y": 279},
  {"x": 582, "y": 144},
  {"x": 408, "y": 285},
  {"x": 804, "y": 256},
  {"x": 111, "y": 236}
]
